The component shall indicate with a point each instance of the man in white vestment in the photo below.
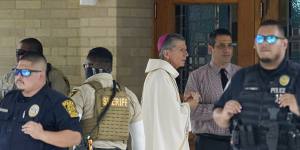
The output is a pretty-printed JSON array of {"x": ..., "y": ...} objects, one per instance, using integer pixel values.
[{"x": 166, "y": 118}]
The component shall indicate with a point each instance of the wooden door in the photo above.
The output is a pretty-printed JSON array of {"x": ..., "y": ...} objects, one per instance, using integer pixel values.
[{"x": 248, "y": 20}]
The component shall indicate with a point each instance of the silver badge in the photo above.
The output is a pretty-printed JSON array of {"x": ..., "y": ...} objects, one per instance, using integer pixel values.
[{"x": 33, "y": 110}]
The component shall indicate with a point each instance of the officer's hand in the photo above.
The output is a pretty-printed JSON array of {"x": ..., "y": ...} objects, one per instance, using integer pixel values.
[
  {"x": 289, "y": 100},
  {"x": 231, "y": 108},
  {"x": 192, "y": 98},
  {"x": 35, "y": 130}
]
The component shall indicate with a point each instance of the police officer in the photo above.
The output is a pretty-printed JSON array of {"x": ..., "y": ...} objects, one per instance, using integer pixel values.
[
  {"x": 261, "y": 104},
  {"x": 34, "y": 116},
  {"x": 55, "y": 78},
  {"x": 124, "y": 112}
]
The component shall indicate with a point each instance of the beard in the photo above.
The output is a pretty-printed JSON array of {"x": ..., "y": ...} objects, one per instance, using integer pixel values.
[
  {"x": 265, "y": 60},
  {"x": 269, "y": 60},
  {"x": 18, "y": 84}
]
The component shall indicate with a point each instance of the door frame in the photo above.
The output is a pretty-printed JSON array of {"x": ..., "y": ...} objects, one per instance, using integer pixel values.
[{"x": 249, "y": 13}]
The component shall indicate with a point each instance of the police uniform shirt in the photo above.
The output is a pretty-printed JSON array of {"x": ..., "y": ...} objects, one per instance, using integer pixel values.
[
  {"x": 236, "y": 86},
  {"x": 53, "y": 110}
]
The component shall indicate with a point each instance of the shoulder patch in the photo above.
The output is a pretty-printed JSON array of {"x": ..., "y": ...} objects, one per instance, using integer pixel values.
[{"x": 70, "y": 108}]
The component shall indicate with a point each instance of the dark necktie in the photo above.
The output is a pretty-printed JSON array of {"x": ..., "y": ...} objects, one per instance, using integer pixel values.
[{"x": 224, "y": 78}]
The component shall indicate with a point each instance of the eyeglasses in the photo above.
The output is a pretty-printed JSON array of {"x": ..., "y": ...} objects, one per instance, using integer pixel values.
[
  {"x": 270, "y": 39},
  {"x": 224, "y": 46},
  {"x": 87, "y": 65},
  {"x": 24, "y": 72}
]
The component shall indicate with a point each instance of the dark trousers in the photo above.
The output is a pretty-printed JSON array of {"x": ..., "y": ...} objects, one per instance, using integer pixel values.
[{"x": 212, "y": 142}]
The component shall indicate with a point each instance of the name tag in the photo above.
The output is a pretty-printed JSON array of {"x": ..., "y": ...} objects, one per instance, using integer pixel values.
[
  {"x": 251, "y": 88},
  {"x": 3, "y": 110}
]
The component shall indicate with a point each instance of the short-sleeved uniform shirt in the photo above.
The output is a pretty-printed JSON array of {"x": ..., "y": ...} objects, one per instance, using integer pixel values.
[{"x": 53, "y": 110}]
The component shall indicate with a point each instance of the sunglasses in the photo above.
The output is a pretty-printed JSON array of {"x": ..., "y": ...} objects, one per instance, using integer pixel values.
[
  {"x": 270, "y": 39},
  {"x": 24, "y": 72},
  {"x": 20, "y": 52}
]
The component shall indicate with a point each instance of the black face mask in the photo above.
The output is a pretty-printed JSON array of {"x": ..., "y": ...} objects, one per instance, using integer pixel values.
[{"x": 90, "y": 71}]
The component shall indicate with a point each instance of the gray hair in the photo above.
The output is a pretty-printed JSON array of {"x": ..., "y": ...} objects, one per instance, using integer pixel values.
[{"x": 169, "y": 43}]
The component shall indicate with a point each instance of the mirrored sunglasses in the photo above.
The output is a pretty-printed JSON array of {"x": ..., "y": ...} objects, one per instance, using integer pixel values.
[
  {"x": 270, "y": 39},
  {"x": 24, "y": 72}
]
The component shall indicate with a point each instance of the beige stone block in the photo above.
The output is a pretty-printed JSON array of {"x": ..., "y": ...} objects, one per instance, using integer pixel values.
[
  {"x": 7, "y": 62},
  {"x": 72, "y": 51},
  {"x": 84, "y": 51},
  {"x": 64, "y": 32},
  {"x": 111, "y": 32},
  {"x": 72, "y": 70},
  {"x": 37, "y": 32},
  {"x": 54, "y": 23},
  {"x": 5, "y": 69},
  {"x": 134, "y": 12},
  {"x": 145, "y": 52},
  {"x": 28, "y": 4},
  {"x": 37, "y": 14},
  {"x": 75, "y": 80},
  {"x": 73, "y": 3},
  {"x": 112, "y": 12},
  {"x": 64, "y": 51},
  {"x": 73, "y": 23},
  {"x": 84, "y": 22},
  {"x": 134, "y": 42},
  {"x": 54, "y": 41},
  {"x": 7, "y": 51},
  {"x": 7, "y": 4},
  {"x": 5, "y": 23},
  {"x": 73, "y": 60},
  {"x": 55, "y": 3},
  {"x": 105, "y": 42},
  {"x": 56, "y": 60},
  {"x": 11, "y": 14},
  {"x": 134, "y": 22},
  {"x": 103, "y": 22},
  {"x": 77, "y": 42},
  {"x": 107, "y": 3},
  {"x": 89, "y": 12},
  {"x": 136, "y": 3},
  {"x": 92, "y": 32},
  {"x": 28, "y": 23},
  {"x": 67, "y": 13},
  {"x": 58, "y": 51},
  {"x": 46, "y": 51},
  {"x": 130, "y": 81},
  {"x": 7, "y": 32},
  {"x": 134, "y": 32},
  {"x": 126, "y": 71},
  {"x": 7, "y": 41}
]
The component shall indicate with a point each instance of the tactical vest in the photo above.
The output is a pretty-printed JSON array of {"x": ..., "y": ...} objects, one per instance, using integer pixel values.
[
  {"x": 262, "y": 124},
  {"x": 114, "y": 125}
]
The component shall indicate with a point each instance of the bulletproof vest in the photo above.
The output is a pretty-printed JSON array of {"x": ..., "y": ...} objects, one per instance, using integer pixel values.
[
  {"x": 114, "y": 125},
  {"x": 262, "y": 124}
]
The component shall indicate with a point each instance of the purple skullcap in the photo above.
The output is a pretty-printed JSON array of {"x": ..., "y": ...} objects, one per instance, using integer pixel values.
[{"x": 161, "y": 41}]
